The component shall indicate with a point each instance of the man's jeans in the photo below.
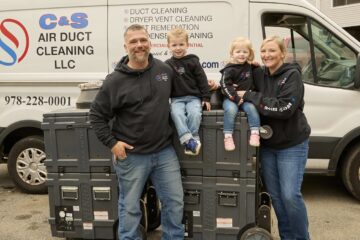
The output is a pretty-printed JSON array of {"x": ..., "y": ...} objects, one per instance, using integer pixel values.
[
  {"x": 186, "y": 113},
  {"x": 230, "y": 111},
  {"x": 283, "y": 172},
  {"x": 164, "y": 171}
]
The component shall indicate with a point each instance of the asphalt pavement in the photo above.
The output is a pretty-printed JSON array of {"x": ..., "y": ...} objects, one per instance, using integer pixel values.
[{"x": 333, "y": 213}]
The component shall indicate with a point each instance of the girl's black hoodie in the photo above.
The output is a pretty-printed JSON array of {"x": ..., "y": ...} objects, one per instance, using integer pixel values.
[
  {"x": 280, "y": 100},
  {"x": 137, "y": 102},
  {"x": 236, "y": 77}
]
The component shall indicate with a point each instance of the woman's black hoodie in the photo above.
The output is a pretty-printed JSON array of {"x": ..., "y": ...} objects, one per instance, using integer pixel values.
[
  {"x": 279, "y": 99},
  {"x": 137, "y": 101}
]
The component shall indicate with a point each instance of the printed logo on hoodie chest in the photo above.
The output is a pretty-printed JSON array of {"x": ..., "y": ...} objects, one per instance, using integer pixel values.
[
  {"x": 244, "y": 75},
  {"x": 180, "y": 70},
  {"x": 162, "y": 77}
]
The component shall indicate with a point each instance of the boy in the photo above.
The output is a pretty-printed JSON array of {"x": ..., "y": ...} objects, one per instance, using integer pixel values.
[{"x": 190, "y": 91}]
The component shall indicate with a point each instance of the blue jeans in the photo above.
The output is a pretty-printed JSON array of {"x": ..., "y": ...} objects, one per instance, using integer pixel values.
[
  {"x": 283, "y": 172},
  {"x": 230, "y": 111},
  {"x": 186, "y": 113},
  {"x": 164, "y": 171}
]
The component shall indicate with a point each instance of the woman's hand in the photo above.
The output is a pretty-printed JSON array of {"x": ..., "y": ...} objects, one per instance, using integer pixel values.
[{"x": 213, "y": 85}]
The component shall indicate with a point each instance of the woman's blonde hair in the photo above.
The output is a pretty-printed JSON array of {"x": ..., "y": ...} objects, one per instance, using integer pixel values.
[
  {"x": 242, "y": 41},
  {"x": 278, "y": 40},
  {"x": 178, "y": 32}
]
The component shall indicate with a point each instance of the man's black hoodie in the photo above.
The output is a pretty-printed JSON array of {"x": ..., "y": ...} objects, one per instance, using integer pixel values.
[
  {"x": 190, "y": 78},
  {"x": 138, "y": 103},
  {"x": 280, "y": 100}
]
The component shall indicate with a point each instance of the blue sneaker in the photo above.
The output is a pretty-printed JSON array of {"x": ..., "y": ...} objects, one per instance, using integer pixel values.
[{"x": 192, "y": 147}]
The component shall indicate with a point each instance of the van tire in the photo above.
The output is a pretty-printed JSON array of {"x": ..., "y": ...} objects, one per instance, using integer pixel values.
[
  {"x": 26, "y": 169},
  {"x": 351, "y": 171}
]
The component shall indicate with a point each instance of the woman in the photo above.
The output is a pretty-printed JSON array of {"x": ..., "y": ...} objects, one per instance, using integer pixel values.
[{"x": 279, "y": 99}]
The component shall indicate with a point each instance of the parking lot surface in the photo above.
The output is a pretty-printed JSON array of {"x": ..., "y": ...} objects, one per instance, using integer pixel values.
[{"x": 333, "y": 213}]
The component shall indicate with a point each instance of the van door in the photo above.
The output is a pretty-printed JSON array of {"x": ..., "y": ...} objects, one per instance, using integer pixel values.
[
  {"x": 46, "y": 49},
  {"x": 328, "y": 57}
]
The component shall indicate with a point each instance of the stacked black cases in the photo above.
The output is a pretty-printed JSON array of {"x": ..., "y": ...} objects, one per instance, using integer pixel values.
[
  {"x": 220, "y": 187},
  {"x": 82, "y": 183}
]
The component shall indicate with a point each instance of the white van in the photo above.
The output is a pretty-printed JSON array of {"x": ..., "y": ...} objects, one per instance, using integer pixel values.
[{"x": 48, "y": 47}]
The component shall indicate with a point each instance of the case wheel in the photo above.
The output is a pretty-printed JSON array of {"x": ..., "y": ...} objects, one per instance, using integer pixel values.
[{"x": 256, "y": 233}]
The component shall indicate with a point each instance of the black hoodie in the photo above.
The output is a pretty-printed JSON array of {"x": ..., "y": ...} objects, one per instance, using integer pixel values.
[
  {"x": 138, "y": 103},
  {"x": 236, "y": 77},
  {"x": 190, "y": 78},
  {"x": 280, "y": 102}
]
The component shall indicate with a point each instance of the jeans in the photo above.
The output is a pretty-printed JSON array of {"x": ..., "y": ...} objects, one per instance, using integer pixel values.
[
  {"x": 186, "y": 114},
  {"x": 164, "y": 171},
  {"x": 283, "y": 172},
  {"x": 230, "y": 111}
]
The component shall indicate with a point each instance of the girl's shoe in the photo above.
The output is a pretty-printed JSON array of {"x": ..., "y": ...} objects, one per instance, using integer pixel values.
[
  {"x": 229, "y": 144},
  {"x": 254, "y": 140}
]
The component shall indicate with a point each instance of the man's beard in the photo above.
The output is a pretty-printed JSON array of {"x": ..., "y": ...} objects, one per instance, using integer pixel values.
[{"x": 141, "y": 59}]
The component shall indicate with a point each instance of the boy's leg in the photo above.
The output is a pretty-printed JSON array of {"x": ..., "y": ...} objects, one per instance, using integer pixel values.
[
  {"x": 132, "y": 173},
  {"x": 194, "y": 112},
  {"x": 166, "y": 178},
  {"x": 178, "y": 115}
]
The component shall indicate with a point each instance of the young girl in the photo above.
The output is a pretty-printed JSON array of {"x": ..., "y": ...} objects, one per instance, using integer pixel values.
[{"x": 236, "y": 76}]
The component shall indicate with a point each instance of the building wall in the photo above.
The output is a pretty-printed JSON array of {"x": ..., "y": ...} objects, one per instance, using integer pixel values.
[{"x": 345, "y": 16}]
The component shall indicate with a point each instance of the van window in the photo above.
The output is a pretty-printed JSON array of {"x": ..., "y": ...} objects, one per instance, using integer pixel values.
[{"x": 324, "y": 58}]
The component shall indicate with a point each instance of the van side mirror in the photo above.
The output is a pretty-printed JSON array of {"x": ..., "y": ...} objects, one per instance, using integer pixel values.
[{"x": 357, "y": 73}]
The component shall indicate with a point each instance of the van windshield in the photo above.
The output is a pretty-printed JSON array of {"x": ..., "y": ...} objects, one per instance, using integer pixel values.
[{"x": 324, "y": 58}]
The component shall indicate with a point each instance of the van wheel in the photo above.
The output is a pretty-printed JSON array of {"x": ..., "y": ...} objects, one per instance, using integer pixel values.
[
  {"x": 256, "y": 233},
  {"x": 26, "y": 164},
  {"x": 351, "y": 171}
]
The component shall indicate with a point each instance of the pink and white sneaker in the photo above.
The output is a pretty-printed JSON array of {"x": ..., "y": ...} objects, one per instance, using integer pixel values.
[
  {"x": 254, "y": 140},
  {"x": 229, "y": 144}
]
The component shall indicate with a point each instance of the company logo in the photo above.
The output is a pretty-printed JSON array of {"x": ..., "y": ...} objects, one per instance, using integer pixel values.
[
  {"x": 13, "y": 45},
  {"x": 76, "y": 21}
]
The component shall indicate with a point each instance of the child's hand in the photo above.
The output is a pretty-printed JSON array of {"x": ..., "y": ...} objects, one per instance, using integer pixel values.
[
  {"x": 241, "y": 101},
  {"x": 207, "y": 105},
  {"x": 241, "y": 93},
  {"x": 213, "y": 85}
]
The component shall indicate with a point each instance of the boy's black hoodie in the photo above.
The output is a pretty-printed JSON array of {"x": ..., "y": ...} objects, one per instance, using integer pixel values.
[
  {"x": 190, "y": 78},
  {"x": 280, "y": 100},
  {"x": 138, "y": 103}
]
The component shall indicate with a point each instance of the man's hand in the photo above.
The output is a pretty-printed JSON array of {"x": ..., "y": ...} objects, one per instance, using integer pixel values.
[
  {"x": 207, "y": 105},
  {"x": 119, "y": 150}
]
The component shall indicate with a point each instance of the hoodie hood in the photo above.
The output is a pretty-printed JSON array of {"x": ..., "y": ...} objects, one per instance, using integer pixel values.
[
  {"x": 123, "y": 67},
  {"x": 186, "y": 57},
  {"x": 230, "y": 65},
  {"x": 284, "y": 68}
]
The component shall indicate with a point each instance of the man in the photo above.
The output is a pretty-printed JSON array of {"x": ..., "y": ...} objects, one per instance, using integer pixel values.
[{"x": 136, "y": 98}]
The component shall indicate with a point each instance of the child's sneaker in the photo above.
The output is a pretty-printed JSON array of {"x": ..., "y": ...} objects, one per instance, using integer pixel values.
[
  {"x": 254, "y": 140},
  {"x": 192, "y": 147},
  {"x": 229, "y": 144}
]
